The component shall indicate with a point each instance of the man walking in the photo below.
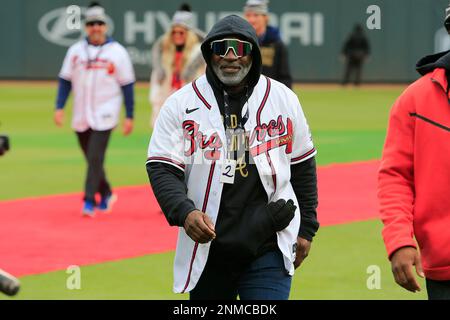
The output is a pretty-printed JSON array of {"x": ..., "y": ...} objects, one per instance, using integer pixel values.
[
  {"x": 355, "y": 52},
  {"x": 414, "y": 180},
  {"x": 275, "y": 60},
  {"x": 99, "y": 71},
  {"x": 231, "y": 162}
]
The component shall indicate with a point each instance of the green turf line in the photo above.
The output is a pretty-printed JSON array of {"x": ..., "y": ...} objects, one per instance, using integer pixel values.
[
  {"x": 336, "y": 269},
  {"x": 347, "y": 125}
]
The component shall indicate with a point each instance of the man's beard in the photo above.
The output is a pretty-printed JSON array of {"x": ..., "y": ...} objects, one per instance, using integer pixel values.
[{"x": 229, "y": 79}]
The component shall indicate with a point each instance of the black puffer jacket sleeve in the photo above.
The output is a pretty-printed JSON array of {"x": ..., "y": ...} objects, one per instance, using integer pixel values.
[
  {"x": 171, "y": 192},
  {"x": 304, "y": 182}
]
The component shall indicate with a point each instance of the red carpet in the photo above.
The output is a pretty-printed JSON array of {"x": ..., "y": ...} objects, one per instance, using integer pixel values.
[
  {"x": 347, "y": 192},
  {"x": 44, "y": 234}
]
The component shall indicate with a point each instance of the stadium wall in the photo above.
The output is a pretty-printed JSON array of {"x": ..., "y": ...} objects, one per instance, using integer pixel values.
[{"x": 35, "y": 34}]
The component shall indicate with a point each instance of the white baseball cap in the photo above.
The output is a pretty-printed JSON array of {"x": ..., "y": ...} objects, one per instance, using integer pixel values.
[
  {"x": 257, "y": 6},
  {"x": 95, "y": 13}
]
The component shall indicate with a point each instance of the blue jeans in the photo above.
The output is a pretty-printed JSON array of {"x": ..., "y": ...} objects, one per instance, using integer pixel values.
[{"x": 264, "y": 279}]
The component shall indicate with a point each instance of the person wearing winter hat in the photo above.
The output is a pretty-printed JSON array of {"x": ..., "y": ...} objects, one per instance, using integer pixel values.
[
  {"x": 176, "y": 59},
  {"x": 275, "y": 60},
  {"x": 99, "y": 72}
]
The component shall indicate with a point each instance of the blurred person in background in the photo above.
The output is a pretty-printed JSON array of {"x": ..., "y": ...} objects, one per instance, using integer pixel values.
[
  {"x": 275, "y": 60},
  {"x": 99, "y": 72},
  {"x": 355, "y": 51},
  {"x": 414, "y": 180},
  {"x": 4, "y": 144},
  {"x": 176, "y": 59}
]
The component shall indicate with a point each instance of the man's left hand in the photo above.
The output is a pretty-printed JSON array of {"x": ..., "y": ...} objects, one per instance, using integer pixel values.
[
  {"x": 303, "y": 247},
  {"x": 127, "y": 126}
]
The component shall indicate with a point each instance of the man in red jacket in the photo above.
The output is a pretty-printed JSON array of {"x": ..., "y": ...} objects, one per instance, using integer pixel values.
[{"x": 414, "y": 179}]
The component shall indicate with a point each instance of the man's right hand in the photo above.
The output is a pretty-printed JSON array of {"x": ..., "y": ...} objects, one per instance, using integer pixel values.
[
  {"x": 402, "y": 262},
  {"x": 199, "y": 227},
  {"x": 59, "y": 117}
]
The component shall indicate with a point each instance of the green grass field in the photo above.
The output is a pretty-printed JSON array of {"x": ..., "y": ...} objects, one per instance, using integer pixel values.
[{"x": 347, "y": 124}]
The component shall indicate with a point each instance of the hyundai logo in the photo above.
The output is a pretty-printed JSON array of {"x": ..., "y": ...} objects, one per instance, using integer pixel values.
[{"x": 53, "y": 27}]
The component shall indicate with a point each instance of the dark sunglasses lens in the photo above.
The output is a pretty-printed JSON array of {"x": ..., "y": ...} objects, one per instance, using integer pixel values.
[
  {"x": 93, "y": 23},
  {"x": 240, "y": 48},
  {"x": 218, "y": 48},
  {"x": 245, "y": 48}
]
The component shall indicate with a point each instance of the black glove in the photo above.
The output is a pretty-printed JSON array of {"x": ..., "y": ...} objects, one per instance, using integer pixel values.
[
  {"x": 281, "y": 213},
  {"x": 258, "y": 224}
]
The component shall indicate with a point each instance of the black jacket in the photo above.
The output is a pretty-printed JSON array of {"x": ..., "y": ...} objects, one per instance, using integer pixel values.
[
  {"x": 275, "y": 60},
  {"x": 433, "y": 61},
  {"x": 356, "y": 47}
]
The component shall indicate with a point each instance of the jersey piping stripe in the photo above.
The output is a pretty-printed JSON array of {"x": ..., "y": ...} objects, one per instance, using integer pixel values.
[
  {"x": 208, "y": 186},
  {"x": 163, "y": 159},
  {"x": 205, "y": 204},
  {"x": 258, "y": 121},
  {"x": 274, "y": 174},
  {"x": 304, "y": 155},
  {"x": 263, "y": 103},
  {"x": 194, "y": 85},
  {"x": 194, "y": 253}
]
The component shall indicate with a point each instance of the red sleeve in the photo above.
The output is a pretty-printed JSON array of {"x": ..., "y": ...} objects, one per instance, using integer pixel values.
[{"x": 396, "y": 177}]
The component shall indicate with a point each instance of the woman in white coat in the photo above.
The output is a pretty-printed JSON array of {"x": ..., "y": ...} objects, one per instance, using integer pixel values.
[{"x": 176, "y": 59}]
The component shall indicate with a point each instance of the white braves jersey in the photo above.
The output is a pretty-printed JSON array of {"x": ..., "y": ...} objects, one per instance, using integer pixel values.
[
  {"x": 97, "y": 74},
  {"x": 189, "y": 134}
]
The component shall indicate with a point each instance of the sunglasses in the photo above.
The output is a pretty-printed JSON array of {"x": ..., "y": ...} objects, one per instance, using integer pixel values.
[
  {"x": 95, "y": 23},
  {"x": 240, "y": 48}
]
